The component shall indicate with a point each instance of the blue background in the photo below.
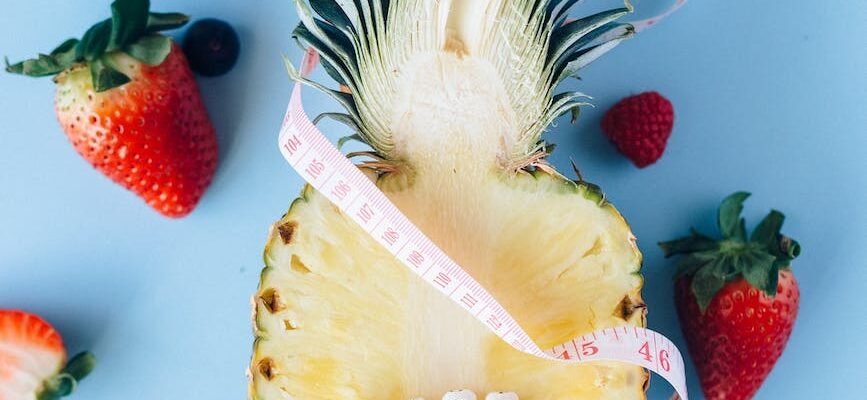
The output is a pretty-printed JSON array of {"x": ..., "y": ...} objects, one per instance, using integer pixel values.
[{"x": 769, "y": 97}]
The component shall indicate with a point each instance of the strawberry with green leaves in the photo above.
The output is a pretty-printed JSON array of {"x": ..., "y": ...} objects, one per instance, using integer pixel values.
[
  {"x": 127, "y": 101},
  {"x": 33, "y": 362},
  {"x": 737, "y": 300}
]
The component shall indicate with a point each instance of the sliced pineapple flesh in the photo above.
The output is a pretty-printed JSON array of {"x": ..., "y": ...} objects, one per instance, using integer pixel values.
[
  {"x": 453, "y": 97},
  {"x": 337, "y": 317}
]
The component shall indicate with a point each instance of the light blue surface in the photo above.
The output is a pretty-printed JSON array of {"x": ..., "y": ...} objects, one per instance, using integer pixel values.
[{"x": 770, "y": 98}]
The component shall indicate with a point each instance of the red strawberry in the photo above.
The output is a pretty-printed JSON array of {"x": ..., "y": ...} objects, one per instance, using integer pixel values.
[
  {"x": 127, "y": 100},
  {"x": 32, "y": 359},
  {"x": 640, "y": 126},
  {"x": 737, "y": 300}
]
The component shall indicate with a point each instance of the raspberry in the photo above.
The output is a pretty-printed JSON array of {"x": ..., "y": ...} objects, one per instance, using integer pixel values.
[{"x": 640, "y": 126}]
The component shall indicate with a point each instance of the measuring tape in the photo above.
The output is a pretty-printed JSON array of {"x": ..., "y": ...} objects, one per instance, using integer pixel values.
[{"x": 328, "y": 170}]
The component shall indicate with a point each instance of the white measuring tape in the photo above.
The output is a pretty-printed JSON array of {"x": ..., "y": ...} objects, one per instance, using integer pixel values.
[{"x": 322, "y": 165}]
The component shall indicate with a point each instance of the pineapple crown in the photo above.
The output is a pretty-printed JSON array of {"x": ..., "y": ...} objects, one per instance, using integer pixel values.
[
  {"x": 132, "y": 29},
  {"x": 531, "y": 44},
  {"x": 712, "y": 263}
]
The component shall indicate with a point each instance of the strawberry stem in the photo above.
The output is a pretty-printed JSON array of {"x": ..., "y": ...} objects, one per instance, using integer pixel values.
[
  {"x": 64, "y": 383},
  {"x": 714, "y": 262}
]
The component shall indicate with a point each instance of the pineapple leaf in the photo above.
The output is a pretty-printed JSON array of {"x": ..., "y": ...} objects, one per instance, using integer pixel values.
[
  {"x": 344, "y": 99},
  {"x": 584, "y": 40},
  {"x": 567, "y": 97},
  {"x": 558, "y": 10},
  {"x": 345, "y": 119},
  {"x": 728, "y": 218},
  {"x": 584, "y": 57},
  {"x": 333, "y": 72},
  {"x": 385, "y": 4},
  {"x": 574, "y": 114},
  {"x": 336, "y": 68},
  {"x": 309, "y": 22},
  {"x": 566, "y": 37},
  {"x": 343, "y": 42},
  {"x": 331, "y": 11},
  {"x": 342, "y": 141},
  {"x": 563, "y": 103}
]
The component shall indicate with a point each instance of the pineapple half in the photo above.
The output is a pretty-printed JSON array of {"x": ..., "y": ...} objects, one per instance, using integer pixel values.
[{"x": 452, "y": 97}]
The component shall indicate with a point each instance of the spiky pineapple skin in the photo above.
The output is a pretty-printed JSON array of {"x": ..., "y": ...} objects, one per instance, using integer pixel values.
[{"x": 551, "y": 183}]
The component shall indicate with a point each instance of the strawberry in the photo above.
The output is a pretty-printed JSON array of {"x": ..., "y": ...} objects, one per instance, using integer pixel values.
[
  {"x": 737, "y": 300},
  {"x": 32, "y": 360},
  {"x": 127, "y": 101},
  {"x": 639, "y": 126}
]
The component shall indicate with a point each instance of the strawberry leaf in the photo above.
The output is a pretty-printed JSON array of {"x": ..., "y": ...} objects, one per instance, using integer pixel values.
[
  {"x": 129, "y": 19},
  {"x": 106, "y": 77},
  {"x": 707, "y": 282},
  {"x": 689, "y": 244},
  {"x": 766, "y": 232},
  {"x": 691, "y": 263},
  {"x": 165, "y": 21},
  {"x": 758, "y": 269},
  {"x": 788, "y": 248},
  {"x": 44, "y": 65},
  {"x": 94, "y": 42},
  {"x": 151, "y": 49},
  {"x": 65, "y": 54},
  {"x": 730, "y": 224}
]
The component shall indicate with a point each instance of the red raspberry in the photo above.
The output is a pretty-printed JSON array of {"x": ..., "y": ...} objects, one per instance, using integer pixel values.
[{"x": 640, "y": 126}]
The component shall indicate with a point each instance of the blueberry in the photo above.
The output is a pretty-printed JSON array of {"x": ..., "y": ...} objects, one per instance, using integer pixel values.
[{"x": 212, "y": 47}]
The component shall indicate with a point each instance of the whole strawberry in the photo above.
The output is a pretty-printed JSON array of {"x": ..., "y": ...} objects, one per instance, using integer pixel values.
[
  {"x": 737, "y": 300},
  {"x": 639, "y": 126},
  {"x": 127, "y": 100},
  {"x": 33, "y": 360}
]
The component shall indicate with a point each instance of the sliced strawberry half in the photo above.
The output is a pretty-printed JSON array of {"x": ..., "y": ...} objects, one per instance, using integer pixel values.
[{"x": 32, "y": 358}]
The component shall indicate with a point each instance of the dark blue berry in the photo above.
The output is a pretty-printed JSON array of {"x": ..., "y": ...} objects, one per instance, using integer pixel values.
[{"x": 212, "y": 47}]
